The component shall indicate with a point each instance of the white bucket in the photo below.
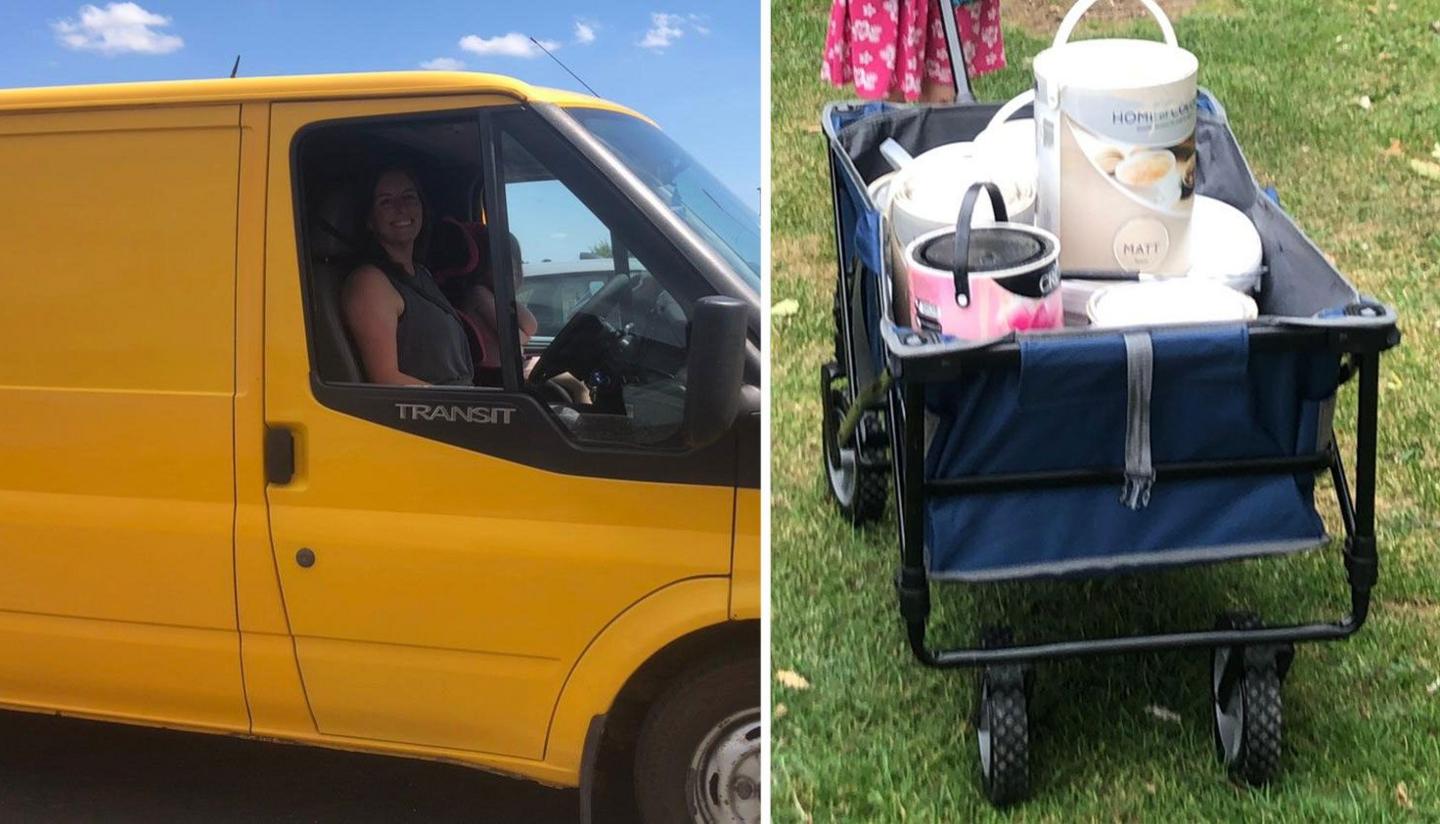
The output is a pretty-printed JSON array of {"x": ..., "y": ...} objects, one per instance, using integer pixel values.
[
  {"x": 1225, "y": 246},
  {"x": 1115, "y": 138},
  {"x": 925, "y": 195}
]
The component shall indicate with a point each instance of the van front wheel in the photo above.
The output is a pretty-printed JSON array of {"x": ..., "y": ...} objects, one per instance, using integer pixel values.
[{"x": 698, "y": 755}]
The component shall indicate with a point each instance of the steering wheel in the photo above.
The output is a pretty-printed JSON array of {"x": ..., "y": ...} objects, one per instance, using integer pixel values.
[{"x": 586, "y": 346}]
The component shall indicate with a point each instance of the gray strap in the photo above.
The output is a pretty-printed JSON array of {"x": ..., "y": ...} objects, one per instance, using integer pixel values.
[{"x": 1139, "y": 469}]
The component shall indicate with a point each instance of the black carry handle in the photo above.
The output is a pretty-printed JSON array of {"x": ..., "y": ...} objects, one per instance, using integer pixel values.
[{"x": 961, "y": 269}]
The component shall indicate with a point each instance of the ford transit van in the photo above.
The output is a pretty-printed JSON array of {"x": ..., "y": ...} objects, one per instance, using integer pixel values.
[{"x": 211, "y": 520}]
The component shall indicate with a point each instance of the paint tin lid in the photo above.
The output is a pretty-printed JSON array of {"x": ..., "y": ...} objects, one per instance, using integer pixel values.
[
  {"x": 992, "y": 249},
  {"x": 1115, "y": 63},
  {"x": 1175, "y": 300}
]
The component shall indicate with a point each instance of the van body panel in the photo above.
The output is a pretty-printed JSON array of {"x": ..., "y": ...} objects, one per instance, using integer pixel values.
[
  {"x": 273, "y": 691},
  {"x": 745, "y": 576},
  {"x": 257, "y": 583},
  {"x": 482, "y": 593},
  {"x": 451, "y": 591},
  {"x": 106, "y": 246},
  {"x": 116, "y": 506},
  {"x": 78, "y": 665},
  {"x": 620, "y": 650},
  {"x": 403, "y": 693}
]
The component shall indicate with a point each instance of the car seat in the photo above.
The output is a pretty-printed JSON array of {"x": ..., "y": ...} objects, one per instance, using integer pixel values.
[
  {"x": 334, "y": 253},
  {"x": 458, "y": 254}
]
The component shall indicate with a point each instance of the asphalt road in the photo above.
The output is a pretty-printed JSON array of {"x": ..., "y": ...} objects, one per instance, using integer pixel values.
[{"x": 66, "y": 770}]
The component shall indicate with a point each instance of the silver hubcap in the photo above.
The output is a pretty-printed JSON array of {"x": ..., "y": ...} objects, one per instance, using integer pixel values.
[
  {"x": 982, "y": 728},
  {"x": 724, "y": 778},
  {"x": 1229, "y": 709},
  {"x": 839, "y": 460}
]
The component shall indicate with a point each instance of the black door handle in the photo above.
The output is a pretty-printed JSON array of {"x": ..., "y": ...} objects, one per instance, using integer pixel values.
[{"x": 279, "y": 454}]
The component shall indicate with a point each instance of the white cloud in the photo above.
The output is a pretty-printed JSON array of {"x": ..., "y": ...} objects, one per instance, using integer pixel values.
[
  {"x": 585, "y": 32},
  {"x": 119, "y": 28},
  {"x": 664, "y": 30},
  {"x": 443, "y": 64},
  {"x": 513, "y": 44}
]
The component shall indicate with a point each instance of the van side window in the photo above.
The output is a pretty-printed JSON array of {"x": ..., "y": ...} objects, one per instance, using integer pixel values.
[{"x": 608, "y": 347}]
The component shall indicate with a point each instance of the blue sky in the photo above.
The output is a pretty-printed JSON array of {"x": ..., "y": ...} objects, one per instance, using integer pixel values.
[{"x": 693, "y": 67}]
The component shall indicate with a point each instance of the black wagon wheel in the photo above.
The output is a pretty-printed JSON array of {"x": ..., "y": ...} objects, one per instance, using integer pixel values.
[
  {"x": 1245, "y": 689},
  {"x": 859, "y": 491},
  {"x": 1002, "y": 727}
]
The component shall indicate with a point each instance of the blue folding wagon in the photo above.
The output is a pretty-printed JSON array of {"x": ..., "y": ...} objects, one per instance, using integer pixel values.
[{"x": 978, "y": 437}]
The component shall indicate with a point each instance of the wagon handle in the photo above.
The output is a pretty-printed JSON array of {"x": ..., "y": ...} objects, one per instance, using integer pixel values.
[
  {"x": 1072, "y": 19},
  {"x": 1011, "y": 106},
  {"x": 963, "y": 92},
  {"x": 961, "y": 268}
]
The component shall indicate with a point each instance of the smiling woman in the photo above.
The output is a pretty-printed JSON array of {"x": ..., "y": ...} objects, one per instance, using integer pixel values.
[{"x": 406, "y": 330}]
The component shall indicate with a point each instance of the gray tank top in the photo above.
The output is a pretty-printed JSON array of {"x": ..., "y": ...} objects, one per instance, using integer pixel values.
[{"x": 430, "y": 339}]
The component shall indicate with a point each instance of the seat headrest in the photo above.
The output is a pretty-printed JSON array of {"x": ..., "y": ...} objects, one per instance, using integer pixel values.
[
  {"x": 333, "y": 233},
  {"x": 457, "y": 249}
]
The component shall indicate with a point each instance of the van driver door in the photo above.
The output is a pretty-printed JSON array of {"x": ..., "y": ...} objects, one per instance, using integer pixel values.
[{"x": 447, "y": 554}]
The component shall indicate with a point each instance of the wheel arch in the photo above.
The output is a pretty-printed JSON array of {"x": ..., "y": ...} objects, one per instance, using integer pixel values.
[
  {"x": 631, "y": 659},
  {"x": 661, "y": 669}
]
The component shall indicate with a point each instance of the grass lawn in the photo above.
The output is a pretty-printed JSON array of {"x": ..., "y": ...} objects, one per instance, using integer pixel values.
[{"x": 878, "y": 737}]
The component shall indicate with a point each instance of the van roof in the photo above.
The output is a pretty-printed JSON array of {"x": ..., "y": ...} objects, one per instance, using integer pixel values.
[{"x": 300, "y": 87}]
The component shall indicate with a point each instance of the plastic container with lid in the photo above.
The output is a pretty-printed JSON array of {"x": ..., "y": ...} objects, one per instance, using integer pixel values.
[{"x": 1169, "y": 301}]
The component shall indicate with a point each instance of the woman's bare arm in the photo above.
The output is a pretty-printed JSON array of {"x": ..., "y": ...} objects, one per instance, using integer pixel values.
[
  {"x": 528, "y": 324},
  {"x": 482, "y": 303},
  {"x": 372, "y": 313}
]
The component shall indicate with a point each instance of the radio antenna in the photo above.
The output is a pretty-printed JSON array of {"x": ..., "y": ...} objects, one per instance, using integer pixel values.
[
  {"x": 235, "y": 69},
  {"x": 563, "y": 66}
]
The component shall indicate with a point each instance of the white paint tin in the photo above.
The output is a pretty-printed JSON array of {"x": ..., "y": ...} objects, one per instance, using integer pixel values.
[{"x": 1115, "y": 143}]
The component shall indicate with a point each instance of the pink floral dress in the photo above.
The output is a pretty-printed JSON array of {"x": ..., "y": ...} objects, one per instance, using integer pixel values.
[{"x": 887, "y": 47}]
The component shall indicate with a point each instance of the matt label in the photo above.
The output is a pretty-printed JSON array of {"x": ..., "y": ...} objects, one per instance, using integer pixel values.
[{"x": 1141, "y": 244}]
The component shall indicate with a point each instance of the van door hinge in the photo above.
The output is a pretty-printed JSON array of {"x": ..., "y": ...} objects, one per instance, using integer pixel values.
[{"x": 279, "y": 455}]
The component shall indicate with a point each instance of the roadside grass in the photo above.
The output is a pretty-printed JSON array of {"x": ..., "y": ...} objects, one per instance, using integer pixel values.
[{"x": 878, "y": 737}]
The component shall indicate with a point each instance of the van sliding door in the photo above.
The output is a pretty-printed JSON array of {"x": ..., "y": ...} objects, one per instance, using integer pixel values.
[{"x": 116, "y": 381}]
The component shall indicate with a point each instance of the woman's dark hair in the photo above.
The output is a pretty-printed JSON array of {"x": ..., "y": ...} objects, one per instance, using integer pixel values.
[{"x": 371, "y": 249}]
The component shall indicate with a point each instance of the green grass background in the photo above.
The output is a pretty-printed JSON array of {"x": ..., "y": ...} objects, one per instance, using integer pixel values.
[{"x": 878, "y": 737}]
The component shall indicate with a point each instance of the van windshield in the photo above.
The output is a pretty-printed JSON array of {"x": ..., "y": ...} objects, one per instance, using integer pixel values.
[{"x": 695, "y": 195}]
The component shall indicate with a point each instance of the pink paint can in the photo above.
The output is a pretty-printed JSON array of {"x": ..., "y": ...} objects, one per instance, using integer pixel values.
[{"x": 983, "y": 282}]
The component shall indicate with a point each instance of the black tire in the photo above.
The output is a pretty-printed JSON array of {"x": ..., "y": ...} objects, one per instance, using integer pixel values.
[
  {"x": 1248, "y": 711},
  {"x": 698, "y": 754},
  {"x": 1002, "y": 727},
  {"x": 859, "y": 491}
]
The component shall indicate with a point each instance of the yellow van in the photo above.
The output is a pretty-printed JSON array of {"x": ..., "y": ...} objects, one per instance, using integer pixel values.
[{"x": 210, "y": 520}]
